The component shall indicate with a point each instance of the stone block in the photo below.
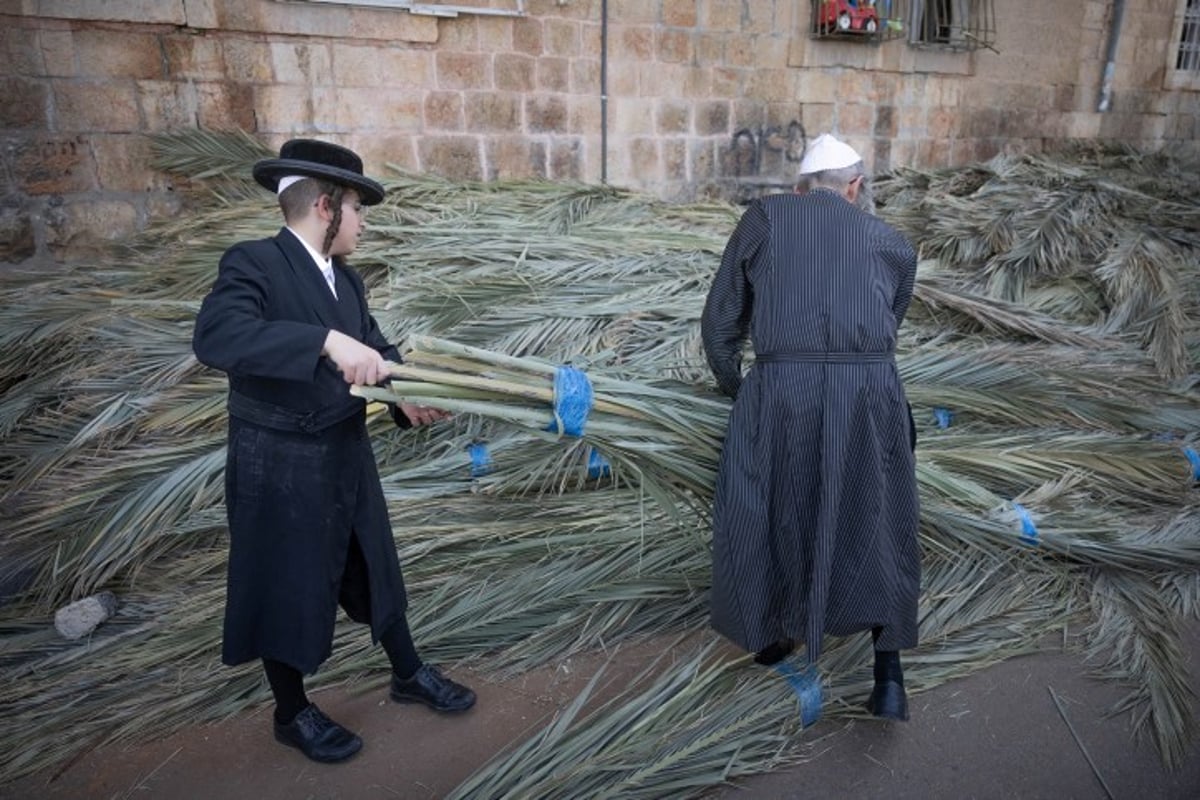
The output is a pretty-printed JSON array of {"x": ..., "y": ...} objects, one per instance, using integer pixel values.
[
  {"x": 226, "y": 106},
  {"x": 633, "y": 11},
  {"x": 17, "y": 239},
  {"x": 886, "y": 121},
  {"x": 814, "y": 86},
  {"x": 370, "y": 109},
  {"x": 727, "y": 81},
  {"x": 444, "y": 111},
  {"x": 384, "y": 66},
  {"x": 86, "y": 228},
  {"x": 246, "y": 60},
  {"x": 201, "y": 14},
  {"x": 585, "y": 76},
  {"x": 712, "y": 117},
  {"x": 674, "y": 46},
  {"x": 20, "y": 52},
  {"x": 679, "y": 13},
  {"x": 492, "y": 111},
  {"x": 629, "y": 116},
  {"x": 675, "y": 159},
  {"x": 565, "y": 159},
  {"x": 624, "y": 78},
  {"x": 166, "y": 105},
  {"x": 453, "y": 157},
  {"x": 702, "y": 158},
  {"x": 280, "y": 109},
  {"x": 141, "y": 11},
  {"x": 384, "y": 154},
  {"x": 710, "y": 47},
  {"x": 584, "y": 114},
  {"x": 773, "y": 85},
  {"x": 561, "y": 37},
  {"x": 310, "y": 64},
  {"x": 26, "y": 104},
  {"x": 631, "y": 43},
  {"x": 193, "y": 57},
  {"x": 116, "y": 53},
  {"x": 817, "y": 118},
  {"x": 739, "y": 52},
  {"x": 697, "y": 82},
  {"x": 903, "y": 154},
  {"x": 645, "y": 159},
  {"x": 510, "y": 157},
  {"x": 96, "y": 106},
  {"x": 463, "y": 70},
  {"x": 673, "y": 116},
  {"x": 58, "y": 53},
  {"x": 514, "y": 72},
  {"x": 721, "y": 15},
  {"x": 942, "y": 123},
  {"x": 459, "y": 33},
  {"x": 546, "y": 114},
  {"x": 553, "y": 74},
  {"x": 881, "y": 156},
  {"x": 527, "y": 35},
  {"x": 495, "y": 34},
  {"x": 163, "y": 205},
  {"x": 123, "y": 164},
  {"x": 856, "y": 119},
  {"x": 748, "y": 114}
]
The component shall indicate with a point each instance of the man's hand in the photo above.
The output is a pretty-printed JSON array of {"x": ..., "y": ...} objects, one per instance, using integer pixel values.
[
  {"x": 359, "y": 364},
  {"x": 422, "y": 415}
]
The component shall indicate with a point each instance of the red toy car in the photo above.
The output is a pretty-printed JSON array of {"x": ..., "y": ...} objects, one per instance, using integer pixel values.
[{"x": 847, "y": 16}]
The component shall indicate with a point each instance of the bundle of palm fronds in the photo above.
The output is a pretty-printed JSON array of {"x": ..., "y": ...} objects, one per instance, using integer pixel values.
[{"x": 1053, "y": 464}]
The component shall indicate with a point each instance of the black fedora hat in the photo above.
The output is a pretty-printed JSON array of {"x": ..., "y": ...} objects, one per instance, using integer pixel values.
[{"x": 311, "y": 158}]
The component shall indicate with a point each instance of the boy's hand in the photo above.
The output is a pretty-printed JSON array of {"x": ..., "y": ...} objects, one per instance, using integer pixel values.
[
  {"x": 359, "y": 364},
  {"x": 422, "y": 415}
]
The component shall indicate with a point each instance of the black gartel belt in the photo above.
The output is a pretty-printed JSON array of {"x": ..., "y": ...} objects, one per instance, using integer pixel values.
[
  {"x": 279, "y": 418},
  {"x": 825, "y": 358}
]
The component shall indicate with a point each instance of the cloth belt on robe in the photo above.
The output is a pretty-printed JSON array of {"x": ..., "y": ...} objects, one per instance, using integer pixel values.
[
  {"x": 290, "y": 420},
  {"x": 824, "y": 358}
]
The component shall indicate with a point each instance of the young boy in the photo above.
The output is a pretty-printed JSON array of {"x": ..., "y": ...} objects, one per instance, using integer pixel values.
[{"x": 287, "y": 320}]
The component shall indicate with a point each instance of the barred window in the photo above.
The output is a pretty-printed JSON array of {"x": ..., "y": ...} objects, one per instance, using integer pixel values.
[
  {"x": 952, "y": 24},
  {"x": 1188, "y": 57}
]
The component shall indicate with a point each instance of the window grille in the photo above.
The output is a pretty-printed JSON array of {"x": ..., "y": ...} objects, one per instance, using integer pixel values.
[
  {"x": 952, "y": 24},
  {"x": 1188, "y": 57},
  {"x": 857, "y": 20}
]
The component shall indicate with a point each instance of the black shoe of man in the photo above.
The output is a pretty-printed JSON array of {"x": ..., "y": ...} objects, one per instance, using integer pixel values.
[
  {"x": 774, "y": 652},
  {"x": 430, "y": 687},
  {"x": 888, "y": 701},
  {"x": 318, "y": 737}
]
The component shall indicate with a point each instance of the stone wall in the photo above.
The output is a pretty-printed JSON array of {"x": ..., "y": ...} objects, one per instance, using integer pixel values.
[{"x": 705, "y": 97}]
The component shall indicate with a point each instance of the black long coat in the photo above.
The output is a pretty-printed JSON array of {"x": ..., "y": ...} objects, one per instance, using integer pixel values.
[
  {"x": 302, "y": 494},
  {"x": 815, "y": 511}
]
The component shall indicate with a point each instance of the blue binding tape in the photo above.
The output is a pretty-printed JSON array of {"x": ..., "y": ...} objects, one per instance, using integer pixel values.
[
  {"x": 807, "y": 686},
  {"x": 481, "y": 461},
  {"x": 1029, "y": 531},
  {"x": 598, "y": 466},
  {"x": 1194, "y": 458},
  {"x": 572, "y": 401},
  {"x": 943, "y": 417}
]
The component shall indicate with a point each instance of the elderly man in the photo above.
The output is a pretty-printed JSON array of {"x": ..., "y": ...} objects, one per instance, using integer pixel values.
[{"x": 816, "y": 512}]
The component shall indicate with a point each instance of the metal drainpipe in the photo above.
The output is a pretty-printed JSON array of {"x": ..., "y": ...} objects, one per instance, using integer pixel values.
[
  {"x": 1110, "y": 62},
  {"x": 604, "y": 92}
]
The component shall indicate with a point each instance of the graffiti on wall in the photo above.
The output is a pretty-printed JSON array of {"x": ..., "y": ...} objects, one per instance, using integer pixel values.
[{"x": 766, "y": 150}]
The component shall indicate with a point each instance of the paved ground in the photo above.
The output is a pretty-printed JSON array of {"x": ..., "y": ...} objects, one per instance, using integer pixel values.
[{"x": 997, "y": 734}]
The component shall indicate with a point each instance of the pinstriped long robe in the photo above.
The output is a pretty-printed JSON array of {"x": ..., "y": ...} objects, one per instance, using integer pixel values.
[{"x": 815, "y": 513}]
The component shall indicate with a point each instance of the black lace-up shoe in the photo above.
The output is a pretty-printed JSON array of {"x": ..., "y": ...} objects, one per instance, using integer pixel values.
[
  {"x": 430, "y": 687},
  {"x": 888, "y": 701},
  {"x": 318, "y": 737}
]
